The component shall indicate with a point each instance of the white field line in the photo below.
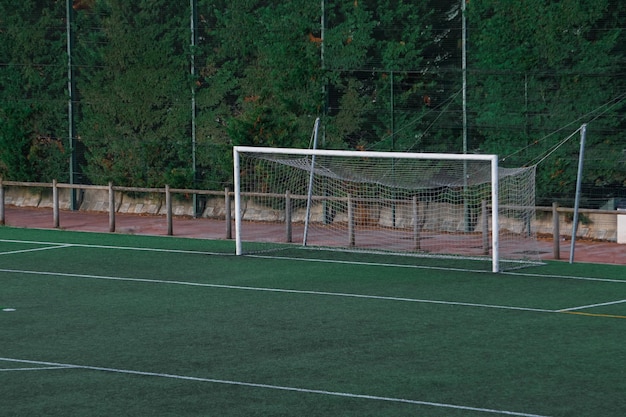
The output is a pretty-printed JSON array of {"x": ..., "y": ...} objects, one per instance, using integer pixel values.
[
  {"x": 520, "y": 274},
  {"x": 438, "y": 268},
  {"x": 593, "y": 306},
  {"x": 34, "y": 250},
  {"x": 277, "y": 290},
  {"x": 80, "y": 245},
  {"x": 387, "y": 265},
  {"x": 275, "y": 387},
  {"x": 47, "y": 368}
]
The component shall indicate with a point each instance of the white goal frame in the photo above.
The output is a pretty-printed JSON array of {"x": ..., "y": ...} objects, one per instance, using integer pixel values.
[{"x": 492, "y": 159}]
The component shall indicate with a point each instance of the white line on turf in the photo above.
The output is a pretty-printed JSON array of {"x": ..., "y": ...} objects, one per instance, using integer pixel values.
[
  {"x": 47, "y": 368},
  {"x": 80, "y": 245},
  {"x": 275, "y": 387},
  {"x": 593, "y": 305},
  {"x": 437, "y": 268},
  {"x": 279, "y": 290},
  {"x": 34, "y": 250},
  {"x": 520, "y": 274}
]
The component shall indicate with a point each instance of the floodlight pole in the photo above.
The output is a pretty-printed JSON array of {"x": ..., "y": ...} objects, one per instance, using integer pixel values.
[
  {"x": 581, "y": 158},
  {"x": 466, "y": 214},
  {"x": 71, "y": 113},
  {"x": 194, "y": 40}
]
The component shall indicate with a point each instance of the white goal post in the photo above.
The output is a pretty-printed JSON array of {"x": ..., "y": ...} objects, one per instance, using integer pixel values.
[{"x": 393, "y": 202}]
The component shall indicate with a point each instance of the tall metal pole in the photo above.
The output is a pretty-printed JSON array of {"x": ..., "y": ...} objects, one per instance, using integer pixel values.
[
  {"x": 194, "y": 40},
  {"x": 309, "y": 200},
  {"x": 464, "y": 94},
  {"x": 464, "y": 71},
  {"x": 579, "y": 179},
  {"x": 71, "y": 87},
  {"x": 323, "y": 66}
]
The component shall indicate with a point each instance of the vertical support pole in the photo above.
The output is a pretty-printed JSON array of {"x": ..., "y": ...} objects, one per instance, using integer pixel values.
[
  {"x": 351, "y": 222},
  {"x": 111, "y": 208},
  {"x": 416, "y": 226},
  {"x": 55, "y": 204},
  {"x": 237, "y": 179},
  {"x": 556, "y": 232},
  {"x": 485, "y": 221},
  {"x": 466, "y": 209},
  {"x": 309, "y": 200},
  {"x": 393, "y": 147},
  {"x": 194, "y": 41},
  {"x": 288, "y": 229},
  {"x": 168, "y": 208},
  {"x": 71, "y": 87},
  {"x": 227, "y": 215},
  {"x": 579, "y": 179},
  {"x": 2, "y": 219},
  {"x": 495, "y": 212}
]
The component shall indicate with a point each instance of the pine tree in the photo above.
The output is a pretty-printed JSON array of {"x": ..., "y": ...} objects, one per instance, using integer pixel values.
[
  {"x": 33, "y": 76},
  {"x": 135, "y": 94},
  {"x": 539, "y": 69}
]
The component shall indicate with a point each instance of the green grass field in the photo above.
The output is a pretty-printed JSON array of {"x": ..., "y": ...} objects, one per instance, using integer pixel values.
[{"x": 120, "y": 325}]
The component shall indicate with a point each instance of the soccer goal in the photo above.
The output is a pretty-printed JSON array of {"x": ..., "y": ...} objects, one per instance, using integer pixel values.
[{"x": 420, "y": 204}]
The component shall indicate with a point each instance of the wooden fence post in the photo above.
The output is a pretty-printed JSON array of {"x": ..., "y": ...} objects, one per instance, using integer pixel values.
[
  {"x": 288, "y": 229},
  {"x": 417, "y": 241},
  {"x": 351, "y": 222},
  {"x": 556, "y": 233},
  {"x": 111, "y": 208},
  {"x": 168, "y": 208},
  {"x": 227, "y": 215},
  {"x": 55, "y": 205},
  {"x": 1, "y": 202},
  {"x": 485, "y": 221}
]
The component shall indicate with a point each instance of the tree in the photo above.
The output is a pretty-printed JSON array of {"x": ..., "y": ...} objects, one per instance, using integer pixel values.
[
  {"x": 33, "y": 110},
  {"x": 135, "y": 94},
  {"x": 539, "y": 69}
]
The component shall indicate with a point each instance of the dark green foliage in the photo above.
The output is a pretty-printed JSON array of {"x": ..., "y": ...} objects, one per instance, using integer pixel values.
[
  {"x": 135, "y": 123},
  {"x": 538, "y": 71},
  {"x": 33, "y": 103},
  {"x": 387, "y": 76}
]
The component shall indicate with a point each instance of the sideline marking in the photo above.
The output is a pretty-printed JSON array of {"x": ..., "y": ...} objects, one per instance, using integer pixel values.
[
  {"x": 274, "y": 387},
  {"x": 278, "y": 290}
]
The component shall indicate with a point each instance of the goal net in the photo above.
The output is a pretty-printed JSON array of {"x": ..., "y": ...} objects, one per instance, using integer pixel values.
[{"x": 428, "y": 205}]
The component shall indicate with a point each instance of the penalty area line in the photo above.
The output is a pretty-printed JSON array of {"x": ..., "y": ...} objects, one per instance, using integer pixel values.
[{"x": 274, "y": 387}]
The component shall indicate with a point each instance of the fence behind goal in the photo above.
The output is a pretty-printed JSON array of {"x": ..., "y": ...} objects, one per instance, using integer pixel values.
[{"x": 425, "y": 205}]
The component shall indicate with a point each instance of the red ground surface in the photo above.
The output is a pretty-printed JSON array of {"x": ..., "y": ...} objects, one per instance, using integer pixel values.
[{"x": 586, "y": 251}]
